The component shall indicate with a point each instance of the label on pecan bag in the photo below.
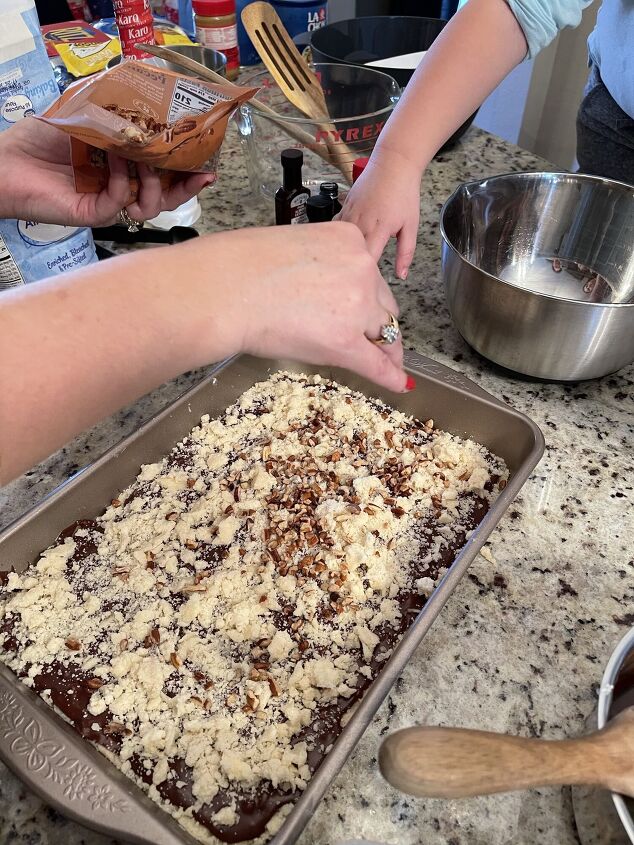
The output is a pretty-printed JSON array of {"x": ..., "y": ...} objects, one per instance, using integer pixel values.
[{"x": 189, "y": 97}]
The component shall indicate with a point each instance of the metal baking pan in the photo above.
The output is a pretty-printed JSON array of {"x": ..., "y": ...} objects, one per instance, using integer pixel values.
[{"x": 68, "y": 772}]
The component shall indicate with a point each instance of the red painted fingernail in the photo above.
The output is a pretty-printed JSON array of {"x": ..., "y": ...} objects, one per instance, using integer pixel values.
[{"x": 410, "y": 384}]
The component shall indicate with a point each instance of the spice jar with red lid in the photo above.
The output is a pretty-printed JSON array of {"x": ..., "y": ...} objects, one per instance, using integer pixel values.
[{"x": 216, "y": 27}]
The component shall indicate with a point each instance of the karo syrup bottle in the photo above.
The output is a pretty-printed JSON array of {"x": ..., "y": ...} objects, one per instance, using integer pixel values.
[{"x": 136, "y": 25}]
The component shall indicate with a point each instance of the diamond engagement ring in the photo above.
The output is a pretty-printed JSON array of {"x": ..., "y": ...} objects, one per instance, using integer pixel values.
[
  {"x": 126, "y": 220},
  {"x": 389, "y": 332}
]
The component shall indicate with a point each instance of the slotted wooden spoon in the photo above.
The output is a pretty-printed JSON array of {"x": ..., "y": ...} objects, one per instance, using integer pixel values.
[
  {"x": 294, "y": 77},
  {"x": 456, "y": 763}
]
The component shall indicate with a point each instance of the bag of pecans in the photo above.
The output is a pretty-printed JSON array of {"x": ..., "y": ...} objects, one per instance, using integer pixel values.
[{"x": 144, "y": 114}]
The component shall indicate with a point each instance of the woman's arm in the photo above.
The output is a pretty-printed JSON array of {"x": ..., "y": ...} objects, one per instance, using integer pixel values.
[
  {"x": 481, "y": 44},
  {"x": 76, "y": 348}
]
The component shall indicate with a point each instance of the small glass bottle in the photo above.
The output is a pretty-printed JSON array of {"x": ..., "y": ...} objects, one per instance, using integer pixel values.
[
  {"x": 216, "y": 27},
  {"x": 319, "y": 209},
  {"x": 291, "y": 197},
  {"x": 331, "y": 190}
]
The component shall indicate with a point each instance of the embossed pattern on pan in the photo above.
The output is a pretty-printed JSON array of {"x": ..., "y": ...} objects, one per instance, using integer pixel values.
[{"x": 70, "y": 774}]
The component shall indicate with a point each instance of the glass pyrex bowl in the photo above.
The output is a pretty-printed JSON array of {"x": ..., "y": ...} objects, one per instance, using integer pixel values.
[{"x": 359, "y": 101}]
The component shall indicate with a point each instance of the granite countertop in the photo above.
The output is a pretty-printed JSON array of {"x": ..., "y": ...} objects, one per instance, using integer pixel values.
[{"x": 522, "y": 643}]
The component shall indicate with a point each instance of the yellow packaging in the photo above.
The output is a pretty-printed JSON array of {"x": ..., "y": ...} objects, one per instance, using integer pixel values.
[
  {"x": 85, "y": 59},
  {"x": 168, "y": 38}
]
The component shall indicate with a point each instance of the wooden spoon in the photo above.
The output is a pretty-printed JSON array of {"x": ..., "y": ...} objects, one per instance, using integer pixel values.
[
  {"x": 203, "y": 72},
  {"x": 294, "y": 77},
  {"x": 456, "y": 763}
]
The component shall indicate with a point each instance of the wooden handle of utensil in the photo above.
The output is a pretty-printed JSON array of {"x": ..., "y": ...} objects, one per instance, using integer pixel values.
[
  {"x": 341, "y": 155},
  {"x": 297, "y": 134},
  {"x": 456, "y": 763}
]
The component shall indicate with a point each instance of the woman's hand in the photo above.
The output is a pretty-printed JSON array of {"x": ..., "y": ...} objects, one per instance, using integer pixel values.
[
  {"x": 315, "y": 294},
  {"x": 39, "y": 185},
  {"x": 385, "y": 203}
]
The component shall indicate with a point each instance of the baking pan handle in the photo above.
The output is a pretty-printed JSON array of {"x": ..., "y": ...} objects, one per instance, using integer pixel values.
[
  {"x": 445, "y": 375},
  {"x": 60, "y": 767}
]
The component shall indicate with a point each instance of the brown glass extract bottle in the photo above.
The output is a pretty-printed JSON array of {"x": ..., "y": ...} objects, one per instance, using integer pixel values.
[
  {"x": 319, "y": 209},
  {"x": 291, "y": 198},
  {"x": 331, "y": 189}
]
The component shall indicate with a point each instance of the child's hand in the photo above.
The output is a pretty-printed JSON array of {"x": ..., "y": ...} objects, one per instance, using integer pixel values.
[{"x": 385, "y": 203}]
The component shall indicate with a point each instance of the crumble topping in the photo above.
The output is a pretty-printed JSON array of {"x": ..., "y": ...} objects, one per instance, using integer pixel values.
[{"x": 212, "y": 629}]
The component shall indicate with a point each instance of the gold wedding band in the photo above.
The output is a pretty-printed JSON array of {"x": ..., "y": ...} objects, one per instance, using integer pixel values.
[
  {"x": 389, "y": 332},
  {"x": 126, "y": 220}
]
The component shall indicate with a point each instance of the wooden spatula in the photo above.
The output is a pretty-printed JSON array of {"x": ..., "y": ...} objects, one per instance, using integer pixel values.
[
  {"x": 456, "y": 763},
  {"x": 294, "y": 77}
]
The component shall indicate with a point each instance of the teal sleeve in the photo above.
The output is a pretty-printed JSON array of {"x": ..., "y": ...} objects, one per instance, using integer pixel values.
[{"x": 541, "y": 20}]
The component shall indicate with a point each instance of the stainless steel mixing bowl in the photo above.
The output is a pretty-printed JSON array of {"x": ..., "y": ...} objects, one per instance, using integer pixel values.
[{"x": 539, "y": 272}]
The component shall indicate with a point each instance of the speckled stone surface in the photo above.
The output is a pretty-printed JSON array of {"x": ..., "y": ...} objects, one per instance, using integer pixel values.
[{"x": 521, "y": 645}]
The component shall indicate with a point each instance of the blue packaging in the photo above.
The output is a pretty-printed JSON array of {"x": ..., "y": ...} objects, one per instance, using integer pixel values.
[
  {"x": 186, "y": 17},
  {"x": 27, "y": 84},
  {"x": 248, "y": 53},
  {"x": 298, "y": 16},
  {"x": 30, "y": 251}
]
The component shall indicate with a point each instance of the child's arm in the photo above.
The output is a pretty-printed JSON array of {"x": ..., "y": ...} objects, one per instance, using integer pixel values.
[{"x": 481, "y": 44}]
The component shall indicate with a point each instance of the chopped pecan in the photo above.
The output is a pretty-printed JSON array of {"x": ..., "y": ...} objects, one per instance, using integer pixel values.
[
  {"x": 113, "y": 728},
  {"x": 252, "y": 701},
  {"x": 153, "y": 638}
]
